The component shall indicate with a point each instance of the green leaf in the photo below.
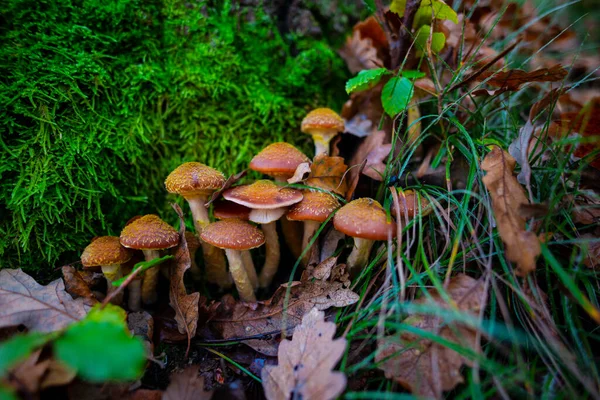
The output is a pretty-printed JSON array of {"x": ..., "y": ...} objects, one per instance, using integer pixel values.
[
  {"x": 438, "y": 8},
  {"x": 6, "y": 393},
  {"x": 396, "y": 95},
  {"x": 365, "y": 79},
  {"x": 19, "y": 347},
  {"x": 398, "y": 7},
  {"x": 438, "y": 40},
  {"x": 412, "y": 74},
  {"x": 100, "y": 348},
  {"x": 143, "y": 265}
]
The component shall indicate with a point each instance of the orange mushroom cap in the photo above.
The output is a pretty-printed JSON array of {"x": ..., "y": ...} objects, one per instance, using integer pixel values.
[
  {"x": 224, "y": 209},
  {"x": 322, "y": 119},
  {"x": 233, "y": 234},
  {"x": 363, "y": 218},
  {"x": 194, "y": 179},
  {"x": 149, "y": 233},
  {"x": 263, "y": 194},
  {"x": 105, "y": 250},
  {"x": 408, "y": 204},
  {"x": 278, "y": 159},
  {"x": 315, "y": 206}
]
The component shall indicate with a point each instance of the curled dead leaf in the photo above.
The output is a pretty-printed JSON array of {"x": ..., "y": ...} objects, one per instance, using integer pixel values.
[
  {"x": 76, "y": 286},
  {"x": 513, "y": 79},
  {"x": 328, "y": 173}
]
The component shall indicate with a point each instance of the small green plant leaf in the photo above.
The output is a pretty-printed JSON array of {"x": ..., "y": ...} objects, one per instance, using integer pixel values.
[
  {"x": 143, "y": 266},
  {"x": 396, "y": 95},
  {"x": 19, "y": 347},
  {"x": 412, "y": 74},
  {"x": 438, "y": 40},
  {"x": 365, "y": 79},
  {"x": 398, "y": 6},
  {"x": 100, "y": 348},
  {"x": 436, "y": 9}
]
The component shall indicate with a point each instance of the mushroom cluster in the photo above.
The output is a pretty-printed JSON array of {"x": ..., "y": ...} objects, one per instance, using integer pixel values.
[{"x": 248, "y": 216}]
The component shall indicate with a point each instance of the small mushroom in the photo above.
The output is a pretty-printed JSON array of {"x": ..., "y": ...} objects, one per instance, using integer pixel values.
[
  {"x": 196, "y": 182},
  {"x": 314, "y": 208},
  {"x": 409, "y": 207},
  {"x": 323, "y": 124},
  {"x": 366, "y": 221},
  {"x": 235, "y": 236},
  {"x": 224, "y": 209},
  {"x": 268, "y": 202},
  {"x": 280, "y": 161},
  {"x": 107, "y": 253},
  {"x": 149, "y": 234}
]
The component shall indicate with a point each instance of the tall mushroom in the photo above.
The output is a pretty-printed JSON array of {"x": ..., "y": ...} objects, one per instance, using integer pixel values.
[
  {"x": 224, "y": 209},
  {"x": 268, "y": 202},
  {"x": 149, "y": 234},
  {"x": 279, "y": 161},
  {"x": 235, "y": 236},
  {"x": 323, "y": 124},
  {"x": 366, "y": 221},
  {"x": 314, "y": 208},
  {"x": 107, "y": 253},
  {"x": 196, "y": 182}
]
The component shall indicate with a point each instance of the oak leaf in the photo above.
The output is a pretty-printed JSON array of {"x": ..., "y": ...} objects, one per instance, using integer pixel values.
[
  {"x": 48, "y": 308},
  {"x": 522, "y": 247},
  {"x": 187, "y": 385},
  {"x": 425, "y": 367},
  {"x": 513, "y": 79},
  {"x": 305, "y": 363},
  {"x": 271, "y": 317}
]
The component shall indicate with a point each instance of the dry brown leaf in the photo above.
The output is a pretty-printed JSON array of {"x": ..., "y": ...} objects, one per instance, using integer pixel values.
[
  {"x": 522, "y": 247},
  {"x": 366, "y": 47},
  {"x": 328, "y": 173},
  {"x": 301, "y": 173},
  {"x": 76, "y": 286},
  {"x": 185, "y": 305},
  {"x": 40, "y": 308},
  {"x": 187, "y": 385},
  {"x": 141, "y": 324},
  {"x": 57, "y": 374},
  {"x": 269, "y": 318},
  {"x": 513, "y": 79},
  {"x": 586, "y": 207},
  {"x": 374, "y": 152},
  {"x": 305, "y": 363},
  {"x": 592, "y": 250},
  {"x": 586, "y": 123},
  {"x": 421, "y": 365}
]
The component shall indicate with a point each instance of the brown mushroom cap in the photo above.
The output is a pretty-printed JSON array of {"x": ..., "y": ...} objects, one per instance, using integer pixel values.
[
  {"x": 278, "y": 159},
  {"x": 105, "y": 250},
  {"x": 233, "y": 234},
  {"x": 223, "y": 209},
  {"x": 408, "y": 204},
  {"x": 192, "y": 241},
  {"x": 263, "y": 194},
  {"x": 149, "y": 233},
  {"x": 322, "y": 119},
  {"x": 194, "y": 179},
  {"x": 315, "y": 206},
  {"x": 363, "y": 218}
]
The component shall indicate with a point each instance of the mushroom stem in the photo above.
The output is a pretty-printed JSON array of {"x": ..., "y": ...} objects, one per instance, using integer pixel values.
[
  {"x": 249, "y": 267},
  {"x": 112, "y": 273},
  {"x": 322, "y": 138},
  {"x": 359, "y": 256},
  {"x": 135, "y": 295},
  {"x": 291, "y": 230},
  {"x": 150, "y": 281},
  {"x": 240, "y": 277},
  {"x": 214, "y": 259},
  {"x": 310, "y": 227},
  {"x": 272, "y": 256}
]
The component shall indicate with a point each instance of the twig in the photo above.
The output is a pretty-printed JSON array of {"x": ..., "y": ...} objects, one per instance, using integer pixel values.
[
  {"x": 405, "y": 36},
  {"x": 121, "y": 287}
]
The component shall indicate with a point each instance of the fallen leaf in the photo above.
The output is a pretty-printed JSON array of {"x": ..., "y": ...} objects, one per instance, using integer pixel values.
[
  {"x": 586, "y": 207},
  {"x": 425, "y": 367},
  {"x": 271, "y": 317},
  {"x": 187, "y": 385},
  {"x": 145, "y": 394},
  {"x": 585, "y": 123},
  {"x": 30, "y": 372},
  {"x": 40, "y": 308},
  {"x": 141, "y": 324},
  {"x": 228, "y": 183},
  {"x": 522, "y": 247},
  {"x": 374, "y": 152},
  {"x": 305, "y": 363},
  {"x": 185, "y": 305},
  {"x": 301, "y": 173},
  {"x": 513, "y": 79},
  {"x": 76, "y": 286},
  {"x": 57, "y": 374},
  {"x": 364, "y": 49},
  {"x": 328, "y": 173},
  {"x": 359, "y": 125}
]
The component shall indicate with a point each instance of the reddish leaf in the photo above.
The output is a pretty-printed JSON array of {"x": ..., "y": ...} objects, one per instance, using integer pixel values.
[{"x": 513, "y": 79}]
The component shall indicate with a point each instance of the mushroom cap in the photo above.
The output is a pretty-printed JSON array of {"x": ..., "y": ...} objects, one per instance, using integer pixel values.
[
  {"x": 278, "y": 159},
  {"x": 408, "y": 204},
  {"x": 149, "y": 233},
  {"x": 363, "y": 218},
  {"x": 194, "y": 179},
  {"x": 192, "y": 240},
  {"x": 105, "y": 250},
  {"x": 315, "y": 206},
  {"x": 322, "y": 119},
  {"x": 224, "y": 209},
  {"x": 233, "y": 234},
  {"x": 263, "y": 194}
]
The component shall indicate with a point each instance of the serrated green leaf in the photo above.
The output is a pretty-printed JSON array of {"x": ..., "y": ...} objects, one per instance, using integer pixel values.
[
  {"x": 365, "y": 79},
  {"x": 100, "y": 348},
  {"x": 396, "y": 95},
  {"x": 19, "y": 347},
  {"x": 398, "y": 6},
  {"x": 438, "y": 40},
  {"x": 436, "y": 8},
  {"x": 412, "y": 74}
]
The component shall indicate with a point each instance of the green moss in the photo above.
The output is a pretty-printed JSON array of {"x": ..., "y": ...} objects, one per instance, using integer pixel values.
[{"x": 100, "y": 100}]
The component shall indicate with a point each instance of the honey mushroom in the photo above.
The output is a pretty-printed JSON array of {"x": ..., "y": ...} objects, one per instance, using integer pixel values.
[{"x": 323, "y": 124}]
